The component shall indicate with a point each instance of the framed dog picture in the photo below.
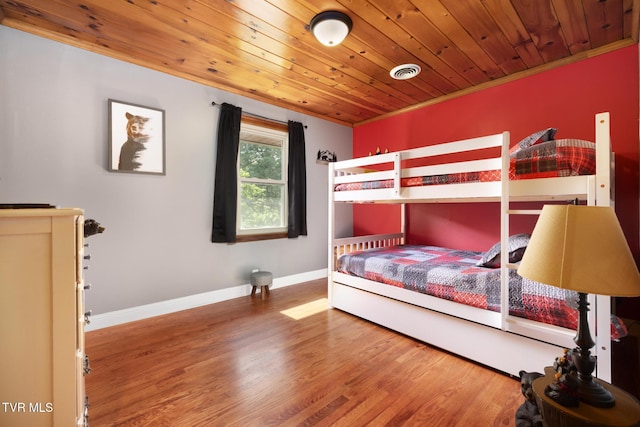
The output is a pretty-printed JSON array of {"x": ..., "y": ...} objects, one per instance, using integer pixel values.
[{"x": 136, "y": 138}]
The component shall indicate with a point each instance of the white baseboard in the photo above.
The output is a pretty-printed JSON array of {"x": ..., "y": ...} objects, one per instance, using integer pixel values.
[{"x": 104, "y": 320}]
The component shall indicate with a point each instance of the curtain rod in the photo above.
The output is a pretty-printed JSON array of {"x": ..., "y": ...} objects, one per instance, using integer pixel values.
[{"x": 214, "y": 104}]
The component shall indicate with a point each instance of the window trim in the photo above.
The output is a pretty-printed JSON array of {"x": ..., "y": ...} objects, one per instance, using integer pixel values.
[{"x": 273, "y": 233}]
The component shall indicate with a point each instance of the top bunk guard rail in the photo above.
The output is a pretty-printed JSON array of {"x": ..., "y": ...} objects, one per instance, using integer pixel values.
[
  {"x": 389, "y": 166},
  {"x": 365, "y": 169}
]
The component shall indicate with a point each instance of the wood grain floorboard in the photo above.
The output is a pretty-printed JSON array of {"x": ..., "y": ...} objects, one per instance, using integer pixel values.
[{"x": 244, "y": 363}]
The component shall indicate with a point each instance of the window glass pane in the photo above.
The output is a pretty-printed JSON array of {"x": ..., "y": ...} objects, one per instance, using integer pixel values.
[
  {"x": 259, "y": 160},
  {"x": 261, "y": 205}
]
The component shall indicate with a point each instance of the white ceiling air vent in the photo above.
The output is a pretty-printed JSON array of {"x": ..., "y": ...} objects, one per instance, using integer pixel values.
[{"x": 405, "y": 71}]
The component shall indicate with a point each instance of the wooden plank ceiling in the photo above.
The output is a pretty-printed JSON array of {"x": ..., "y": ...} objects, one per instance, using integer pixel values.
[{"x": 263, "y": 49}]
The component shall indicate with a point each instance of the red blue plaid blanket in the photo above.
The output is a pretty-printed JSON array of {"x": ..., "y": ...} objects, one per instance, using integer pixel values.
[{"x": 453, "y": 275}]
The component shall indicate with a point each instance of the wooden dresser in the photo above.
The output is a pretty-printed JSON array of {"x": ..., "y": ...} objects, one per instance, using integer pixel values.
[{"x": 42, "y": 360}]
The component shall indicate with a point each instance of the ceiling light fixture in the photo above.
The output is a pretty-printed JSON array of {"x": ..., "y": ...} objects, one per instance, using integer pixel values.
[
  {"x": 405, "y": 71},
  {"x": 331, "y": 27}
]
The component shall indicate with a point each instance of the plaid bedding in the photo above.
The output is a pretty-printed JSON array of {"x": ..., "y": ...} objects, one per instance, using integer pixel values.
[
  {"x": 562, "y": 157},
  {"x": 453, "y": 275}
]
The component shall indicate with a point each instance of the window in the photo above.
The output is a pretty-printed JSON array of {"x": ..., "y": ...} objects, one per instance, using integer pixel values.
[{"x": 262, "y": 180}]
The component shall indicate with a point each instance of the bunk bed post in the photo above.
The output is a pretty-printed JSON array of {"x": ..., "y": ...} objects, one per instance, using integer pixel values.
[
  {"x": 604, "y": 194},
  {"x": 403, "y": 223},
  {"x": 504, "y": 229},
  {"x": 397, "y": 173},
  {"x": 603, "y": 197},
  {"x": 331, "y": 237}
]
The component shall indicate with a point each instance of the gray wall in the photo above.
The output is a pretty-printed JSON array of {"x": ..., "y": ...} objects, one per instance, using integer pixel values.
[{"x": 53, "y": 149}]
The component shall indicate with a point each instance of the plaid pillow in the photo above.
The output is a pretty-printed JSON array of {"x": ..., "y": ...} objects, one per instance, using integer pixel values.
[
  {"x": 517, "y": 245},
  {"x": 533, "y": 139},
  {"x": 561, "y": 157}
]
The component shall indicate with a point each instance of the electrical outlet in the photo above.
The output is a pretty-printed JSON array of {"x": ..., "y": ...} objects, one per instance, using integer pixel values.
[{"x": 255, "y": 270}]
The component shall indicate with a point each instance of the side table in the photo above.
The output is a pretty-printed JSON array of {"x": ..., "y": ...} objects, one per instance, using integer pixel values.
[{"x": 626, "y": 411}]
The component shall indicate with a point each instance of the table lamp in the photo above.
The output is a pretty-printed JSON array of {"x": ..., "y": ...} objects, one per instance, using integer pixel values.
[{"x": 582, "y": 248}]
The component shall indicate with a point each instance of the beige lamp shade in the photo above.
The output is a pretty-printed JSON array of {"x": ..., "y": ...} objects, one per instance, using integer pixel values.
[{"x": 581, "y": 248}]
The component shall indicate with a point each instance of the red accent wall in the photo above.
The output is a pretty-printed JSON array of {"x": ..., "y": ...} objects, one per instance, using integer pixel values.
[{"x": 567, "y": 98}]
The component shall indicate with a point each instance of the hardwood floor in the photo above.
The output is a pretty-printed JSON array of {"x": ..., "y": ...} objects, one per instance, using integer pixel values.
[{"x": 245, "y": 363}]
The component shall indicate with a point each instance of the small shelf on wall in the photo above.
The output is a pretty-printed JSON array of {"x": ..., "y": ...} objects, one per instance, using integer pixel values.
[{"x": 326, "y": 157}]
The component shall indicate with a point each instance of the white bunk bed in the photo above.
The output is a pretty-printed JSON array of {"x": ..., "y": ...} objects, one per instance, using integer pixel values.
[{"x": 495, "y": 339}]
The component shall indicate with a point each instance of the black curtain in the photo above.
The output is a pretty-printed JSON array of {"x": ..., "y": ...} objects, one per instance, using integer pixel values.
[
  {"x": 226, "y": 178},
  {"x": 297, "y": 180}
]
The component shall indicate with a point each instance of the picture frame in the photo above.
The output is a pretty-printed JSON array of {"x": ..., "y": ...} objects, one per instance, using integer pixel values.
[{"x": 136, "y": 139}]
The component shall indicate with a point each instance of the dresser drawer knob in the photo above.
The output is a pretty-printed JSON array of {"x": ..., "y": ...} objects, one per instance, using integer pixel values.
[{"x": 86, "y": 366}]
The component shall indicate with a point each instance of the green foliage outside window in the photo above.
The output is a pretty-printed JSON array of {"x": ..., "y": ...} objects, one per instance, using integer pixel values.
[{"x": 261, "y": 187}]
